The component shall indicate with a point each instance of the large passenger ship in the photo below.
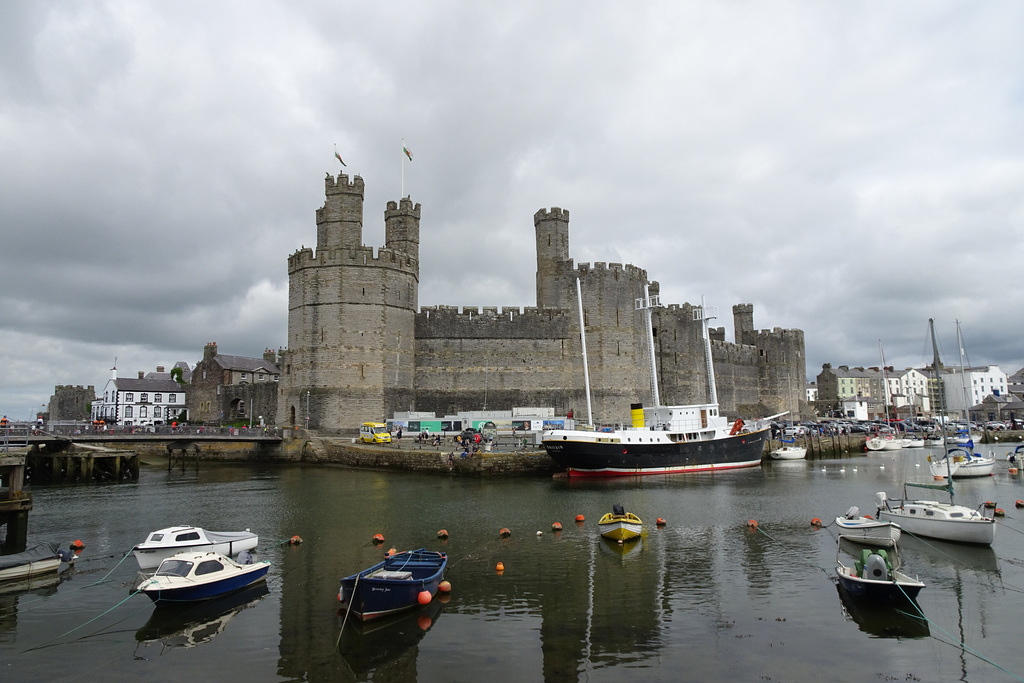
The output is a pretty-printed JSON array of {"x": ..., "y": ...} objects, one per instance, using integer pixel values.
[{"x": 662, "y": 439}]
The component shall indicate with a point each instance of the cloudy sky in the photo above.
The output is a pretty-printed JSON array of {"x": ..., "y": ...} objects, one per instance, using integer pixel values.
[{"x": 850, "y": 168}]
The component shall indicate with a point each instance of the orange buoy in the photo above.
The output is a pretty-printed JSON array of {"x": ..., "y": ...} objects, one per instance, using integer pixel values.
[
  {"x": 443, "y": 533},
  {"x": 579, "y": 518},
  {"x": 661, "y": 521},
  {"x": 294, "y": 540},
  {"x": 424, "y": 597},
  {"x": 500, "y": 567},
  {"x": 391, "y": 551},
  {"x": 444, "y": 597},
  {"x": 424, "y": 621},
  {"x": 815, "y": 522},
  {"x": 445, "y": 587},
  {"x": 1000, "y": 512},
  {"x": 505, "y": 533},
  {"x": 77, "y": 545},
  {"x": 752, "y": 523},
  {"x": 378, "y": 538},
  {"x": 1013, "y": 470},
  {"x": 1020, "y": 503},
  {"x": 989, "y": 504},
  {"x": 557, "y": 526}
]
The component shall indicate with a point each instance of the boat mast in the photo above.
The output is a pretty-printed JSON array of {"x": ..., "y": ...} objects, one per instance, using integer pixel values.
[
  {"x": 704, "y": 314},
  {"x": 885, "y": 383},
  {"x": 646, "y": 304},
  {"x": 583, "y": 341},
  {"x": 937, "y": 365},
  {"x": 963, "y": 376}
]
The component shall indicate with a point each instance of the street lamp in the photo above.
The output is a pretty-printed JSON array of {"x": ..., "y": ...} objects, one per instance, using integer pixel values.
[{"x": 307, "y": 411}]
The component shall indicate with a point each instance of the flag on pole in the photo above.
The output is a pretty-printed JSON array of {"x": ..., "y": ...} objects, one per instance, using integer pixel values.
[
  {"x": 338, "y": 157},
  {"x": 407, "y": 152}
]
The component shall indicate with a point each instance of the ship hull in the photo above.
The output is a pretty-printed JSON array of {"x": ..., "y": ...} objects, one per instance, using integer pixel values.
[{"x": 583, "y": 456}]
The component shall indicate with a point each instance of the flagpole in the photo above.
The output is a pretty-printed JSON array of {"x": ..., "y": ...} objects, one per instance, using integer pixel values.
[{"x": 402, "y": 196}]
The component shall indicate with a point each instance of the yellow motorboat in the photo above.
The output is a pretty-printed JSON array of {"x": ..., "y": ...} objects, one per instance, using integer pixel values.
[{"x": 620, "y": 525}]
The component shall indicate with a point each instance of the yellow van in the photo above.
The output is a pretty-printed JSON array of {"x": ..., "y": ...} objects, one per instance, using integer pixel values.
[{"x": 374, "y": 432}]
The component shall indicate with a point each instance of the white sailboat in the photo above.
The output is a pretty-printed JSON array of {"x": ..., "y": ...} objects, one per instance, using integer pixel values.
[
  {"x": 946, "y": 521},
  {"x": 888, "y": 441}
]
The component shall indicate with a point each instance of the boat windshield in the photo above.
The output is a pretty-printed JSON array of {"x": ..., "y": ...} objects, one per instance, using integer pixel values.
[
  {"x": 156, "y": 537},
  {"x": 174, "y": 568}
]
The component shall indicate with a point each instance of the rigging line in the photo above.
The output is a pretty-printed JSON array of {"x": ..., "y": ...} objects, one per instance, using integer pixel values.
[
  {"x": 956, "y": 641},
  {"x": 55, "y": 638}
]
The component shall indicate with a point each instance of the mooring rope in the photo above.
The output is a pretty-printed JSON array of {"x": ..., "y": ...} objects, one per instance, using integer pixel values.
[{"x": 69, "y": 632}]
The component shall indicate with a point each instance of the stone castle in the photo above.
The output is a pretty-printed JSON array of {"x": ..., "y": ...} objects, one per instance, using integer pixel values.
[{"x": 361, "y": 348}]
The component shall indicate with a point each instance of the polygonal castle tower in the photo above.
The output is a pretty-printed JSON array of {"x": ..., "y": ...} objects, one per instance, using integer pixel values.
[{"x": 351, "y": 345}]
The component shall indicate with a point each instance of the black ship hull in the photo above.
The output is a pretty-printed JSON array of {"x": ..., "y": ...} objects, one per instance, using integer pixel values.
[{"x": 610, "y": 457}]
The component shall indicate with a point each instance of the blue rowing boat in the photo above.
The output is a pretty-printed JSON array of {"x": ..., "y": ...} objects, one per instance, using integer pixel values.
[{"x": 394, "y": 584}]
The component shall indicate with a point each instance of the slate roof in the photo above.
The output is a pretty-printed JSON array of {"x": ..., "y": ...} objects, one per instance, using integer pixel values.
[
  {"x": 244, "y": 364},
  {"x": 149, "y": 384}
]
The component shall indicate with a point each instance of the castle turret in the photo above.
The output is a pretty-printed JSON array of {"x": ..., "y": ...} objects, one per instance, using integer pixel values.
[
  {"x": 553, "y": 264},
  {"x": 402, "y": 228},
  {"x": 743, "y": 322},
  {"x": 339, "y": 222}
]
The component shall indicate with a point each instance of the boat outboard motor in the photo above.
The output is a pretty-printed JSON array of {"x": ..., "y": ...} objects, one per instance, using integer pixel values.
[
  {"x": 618, "y": 510},
  {"x": 879, "y": 502},
  {"x": 853, "y": 512},
  {"x": 874, "y": 568}
]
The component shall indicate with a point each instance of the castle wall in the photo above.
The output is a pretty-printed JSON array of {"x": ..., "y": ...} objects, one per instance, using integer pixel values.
[{"x": 71, "y": 402}]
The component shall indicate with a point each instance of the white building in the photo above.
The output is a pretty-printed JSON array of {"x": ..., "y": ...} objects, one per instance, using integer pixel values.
[
  {"x": 147, "y": 400},
  {"x": 970, "y": 387}
]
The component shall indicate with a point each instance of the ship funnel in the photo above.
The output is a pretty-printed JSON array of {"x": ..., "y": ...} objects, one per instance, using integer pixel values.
[{"x": 636, "y": 411}]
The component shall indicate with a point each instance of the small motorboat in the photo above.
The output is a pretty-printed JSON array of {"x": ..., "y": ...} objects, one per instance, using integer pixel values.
[
  {"x": 191, "y": 576},
  {"x": 962, "y": 464},
  {"x": 164, "y": 543},
  {"x": 867, "y": 530},
  {"x": 876, "y": 577},
  {"x": 393, "y": 585},
  {"x": 40, "y": 559},
  {"x": 913, "y": 441},
  {"x": 788, "y": 453},
  {"x": 620, "y": 525}
]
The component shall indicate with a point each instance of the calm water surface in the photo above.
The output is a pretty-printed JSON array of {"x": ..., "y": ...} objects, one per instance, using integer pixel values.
[{"x": 705, "y": 598}]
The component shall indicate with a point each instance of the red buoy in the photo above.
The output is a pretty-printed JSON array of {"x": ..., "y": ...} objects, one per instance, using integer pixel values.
[
  {"x": 378, "y": 538},
  {"x": 443, "y": 533},
  {"x": 294, "y": 540},
  {"x": 816, "y": 522},
  {"x": 424, "y": 597},
  {"x": 661, "y": 521},
  {"x": 557, "y": 526},
  {"x": 1020, "y": 503},
  {"x": 752, "y": 523},
  {"x": 391, "y": 551},
  {"x": 579, "y": 518},
  {"x": 77, "y": 545},
  {"x": 505, "y": 533},
  {"x": 1000, "y": 512},
  {"x": 499, "y": 567},
  {"x": 445, "y": 587}
]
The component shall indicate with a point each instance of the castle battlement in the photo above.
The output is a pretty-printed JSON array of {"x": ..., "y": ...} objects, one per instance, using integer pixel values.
[
  {"x": 583, "y": 269},
  {"x": 353, "y": 256},
  {"x": 406, "y": 208},
  {"x": 554, "y": 213},
  {"x": 342, "y": 185}
]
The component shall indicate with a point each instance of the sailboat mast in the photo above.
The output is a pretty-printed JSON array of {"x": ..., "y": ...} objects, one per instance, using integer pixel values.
[
  {"x": 583, "y": 343},
  {"x": 885, "y": 384},
  {"x": 963, "y": 376},
  {"x": 936, "y": 365}
]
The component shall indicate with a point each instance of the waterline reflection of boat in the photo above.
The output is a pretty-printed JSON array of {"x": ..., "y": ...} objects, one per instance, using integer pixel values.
[
  {"x": 190, "y": 624},
  {"x": 884, "y": 621},
  {"x": 374, "y": 645}
]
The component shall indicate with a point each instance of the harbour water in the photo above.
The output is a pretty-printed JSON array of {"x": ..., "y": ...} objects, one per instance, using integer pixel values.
[{"x": 707, "y": 597}]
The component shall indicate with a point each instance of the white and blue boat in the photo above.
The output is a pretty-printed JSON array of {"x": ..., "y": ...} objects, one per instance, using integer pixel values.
[
  {"x": 394, "y": 584},
  {"x": 191, "y": 576}
]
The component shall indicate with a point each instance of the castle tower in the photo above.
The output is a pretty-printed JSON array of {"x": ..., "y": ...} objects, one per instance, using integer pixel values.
[
  {"x": 402, "y": 227},
  {"x": 553, "y": 263},
  {"x": 743, "y": 322},
  {"x": 351, "y": 333},
  {"x": 339, "y": 222}
]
